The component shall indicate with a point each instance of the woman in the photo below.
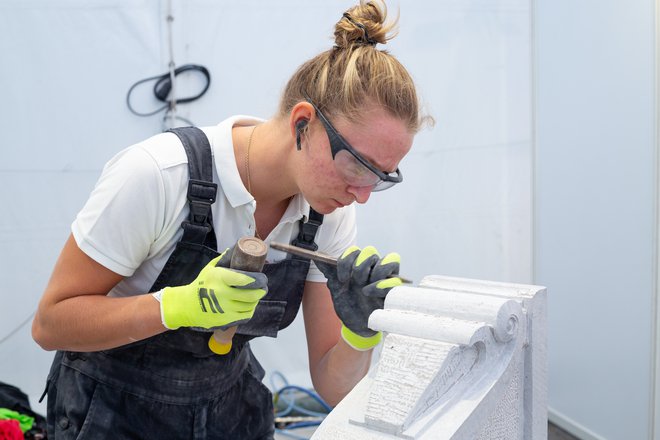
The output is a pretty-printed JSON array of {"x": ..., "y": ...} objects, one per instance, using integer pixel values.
[{"x": 124, "y": 304}]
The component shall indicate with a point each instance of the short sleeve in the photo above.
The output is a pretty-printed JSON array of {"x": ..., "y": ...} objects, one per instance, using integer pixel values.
[
  {"x": 337, "y": 233},
  {"x": 124, "y": 213}
]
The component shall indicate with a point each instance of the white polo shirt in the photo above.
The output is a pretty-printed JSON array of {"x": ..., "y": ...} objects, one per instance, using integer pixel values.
[{"x": 132, "y": 219}]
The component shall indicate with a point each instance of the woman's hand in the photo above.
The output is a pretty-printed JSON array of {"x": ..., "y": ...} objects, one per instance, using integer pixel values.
[{"x": 359, "y": 284}]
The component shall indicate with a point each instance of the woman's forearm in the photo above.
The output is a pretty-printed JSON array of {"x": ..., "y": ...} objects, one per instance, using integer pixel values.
[
  {"x": 339, "y": 370},
  {"x": 96, "y": 322}
]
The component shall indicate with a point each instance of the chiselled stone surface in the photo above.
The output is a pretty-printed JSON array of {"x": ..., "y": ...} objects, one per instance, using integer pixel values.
[
  {"x": 504, "y": 423},
  {"x": 461, "y": 359},
  {"x": 405, "y": 372}
]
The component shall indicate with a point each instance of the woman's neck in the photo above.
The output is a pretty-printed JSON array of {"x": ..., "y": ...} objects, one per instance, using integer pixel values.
[{"x": 262, "y": 156}]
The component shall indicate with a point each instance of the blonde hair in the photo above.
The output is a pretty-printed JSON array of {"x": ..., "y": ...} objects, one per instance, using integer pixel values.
[{"x": 354, "y": 73}]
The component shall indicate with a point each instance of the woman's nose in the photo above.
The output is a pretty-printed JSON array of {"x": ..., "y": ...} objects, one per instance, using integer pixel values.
[{"x": 361, "y": 193}]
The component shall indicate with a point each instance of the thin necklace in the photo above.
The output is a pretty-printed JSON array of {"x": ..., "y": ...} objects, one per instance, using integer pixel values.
[{"x": 247, "y": 173}]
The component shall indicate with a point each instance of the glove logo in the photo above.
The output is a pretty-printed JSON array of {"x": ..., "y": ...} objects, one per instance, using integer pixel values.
[{"x": 208, "y": 297}]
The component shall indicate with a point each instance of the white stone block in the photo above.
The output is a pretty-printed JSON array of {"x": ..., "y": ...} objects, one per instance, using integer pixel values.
[{"x": 461, "y": 359}]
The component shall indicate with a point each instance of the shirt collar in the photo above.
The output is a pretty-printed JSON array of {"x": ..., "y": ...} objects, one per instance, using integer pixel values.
[
  {"x": 298, "y": 208},
  {"x": 225, "y": 159},
  {"x": 229, "y": 177}
]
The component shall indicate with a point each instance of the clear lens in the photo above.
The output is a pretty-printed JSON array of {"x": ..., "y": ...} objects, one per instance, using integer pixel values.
[
  {"x": 353, "y": 172},
  {"x": 382, "y": 185}
]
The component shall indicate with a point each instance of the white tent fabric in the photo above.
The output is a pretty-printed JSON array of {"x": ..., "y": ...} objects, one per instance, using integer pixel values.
[{"x": 463, "y": 210}]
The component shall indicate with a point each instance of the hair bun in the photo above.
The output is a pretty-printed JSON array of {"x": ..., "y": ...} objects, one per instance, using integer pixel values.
[{"x": 363, "y": 24}]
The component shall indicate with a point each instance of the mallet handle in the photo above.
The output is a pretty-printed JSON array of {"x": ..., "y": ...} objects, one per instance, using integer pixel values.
[{"x": 249, "y": 255}]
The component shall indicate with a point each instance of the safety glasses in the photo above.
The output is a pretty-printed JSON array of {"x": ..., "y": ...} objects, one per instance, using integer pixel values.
[{"x": 351, "y": 166}]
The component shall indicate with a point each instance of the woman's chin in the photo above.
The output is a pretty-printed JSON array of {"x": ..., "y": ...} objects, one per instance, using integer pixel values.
[{"x": 325, "y": 206}]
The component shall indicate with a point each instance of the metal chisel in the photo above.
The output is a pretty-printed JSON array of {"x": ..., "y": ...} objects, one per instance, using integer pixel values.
[{"x": 318, "y": 256}]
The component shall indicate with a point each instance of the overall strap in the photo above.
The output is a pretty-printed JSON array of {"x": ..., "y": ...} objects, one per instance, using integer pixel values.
[
  {"x": 198, "y": 229},
  {"x": 307, "y": 232}
]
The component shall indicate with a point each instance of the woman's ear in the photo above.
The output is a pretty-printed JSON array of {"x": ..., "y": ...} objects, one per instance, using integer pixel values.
[
  {"x": 299, "y": 118},
  {"x": 300, "y": 125}
]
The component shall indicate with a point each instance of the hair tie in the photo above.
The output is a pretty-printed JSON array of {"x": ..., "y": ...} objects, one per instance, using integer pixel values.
[{"x": 366, "y": 38}]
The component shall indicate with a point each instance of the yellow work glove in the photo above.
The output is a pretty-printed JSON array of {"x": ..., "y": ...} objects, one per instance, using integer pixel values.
[
  {"x": 359, "y": 284},
  {"x": 218, "y": 298}
]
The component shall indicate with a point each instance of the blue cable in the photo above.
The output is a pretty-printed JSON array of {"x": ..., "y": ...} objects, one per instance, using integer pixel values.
[
  {"x": 302, "y": 425},
  {"x": 291, "y": 403},
  {"x": 312, "y": 394},
  {"x": 291, "y": 435},
  {"x": 286, "y": 394},
  {"x": 281, "y": 376},
  {"x": 293, "y": 406},
  {"x": 308, "y": 412}
]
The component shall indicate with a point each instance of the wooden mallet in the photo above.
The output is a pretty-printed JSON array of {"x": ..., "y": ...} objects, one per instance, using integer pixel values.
[{"x": 249, "y": 254}]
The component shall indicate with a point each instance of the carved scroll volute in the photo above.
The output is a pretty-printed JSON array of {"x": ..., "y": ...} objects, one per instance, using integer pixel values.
[
  {"x": 458, "y": 335},
  {"x": 506, "y": 324}
]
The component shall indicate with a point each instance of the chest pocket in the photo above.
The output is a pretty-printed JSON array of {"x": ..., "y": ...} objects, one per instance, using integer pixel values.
[
  {"x": 278, "y": 309},
  {"x": 286, "y": 283}
]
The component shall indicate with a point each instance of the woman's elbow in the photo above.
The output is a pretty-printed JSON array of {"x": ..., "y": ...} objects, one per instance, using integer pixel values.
[
  {"x": 332, "y": 399},
  {"x": 329, "y": 394},
  {"x": 40, "y": 335}
]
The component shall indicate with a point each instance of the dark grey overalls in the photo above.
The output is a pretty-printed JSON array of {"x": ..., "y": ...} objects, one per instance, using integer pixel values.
[{"x": 171, "y": 386}]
